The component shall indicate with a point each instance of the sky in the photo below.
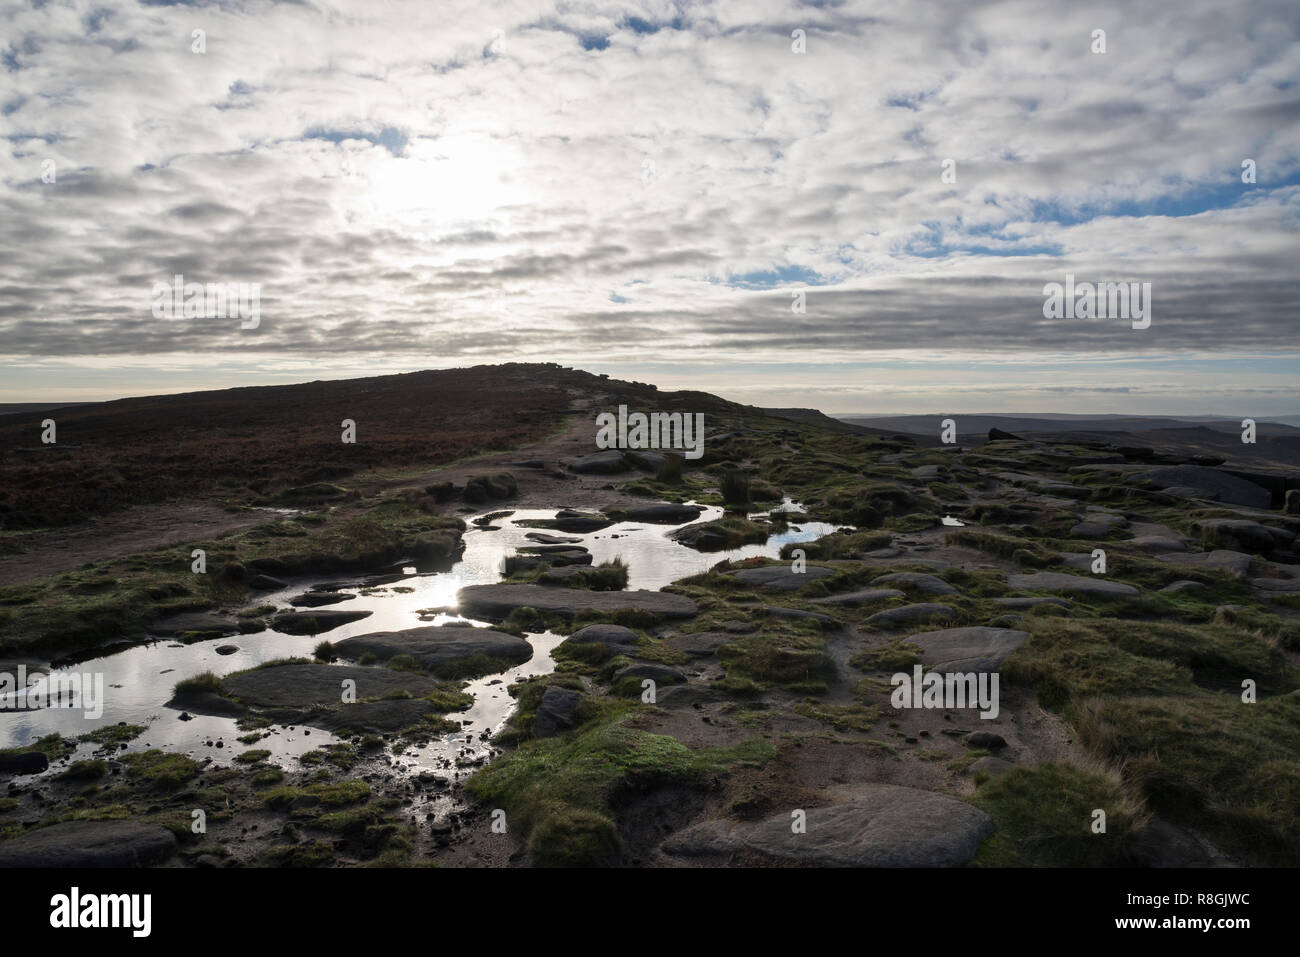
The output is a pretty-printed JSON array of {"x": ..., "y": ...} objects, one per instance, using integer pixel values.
[{"x": 854, "y": 206}]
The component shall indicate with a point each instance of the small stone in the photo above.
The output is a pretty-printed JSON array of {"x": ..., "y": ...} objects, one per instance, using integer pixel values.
[{"x": 986, "y": 739}]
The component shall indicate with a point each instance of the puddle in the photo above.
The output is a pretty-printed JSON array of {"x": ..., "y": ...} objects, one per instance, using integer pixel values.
[
  {"x": 949, "y": 520},
  {"x": 138, "y": 681}
]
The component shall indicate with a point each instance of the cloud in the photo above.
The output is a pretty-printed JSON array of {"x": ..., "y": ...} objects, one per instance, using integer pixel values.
[{"x": 446, "y": 185}]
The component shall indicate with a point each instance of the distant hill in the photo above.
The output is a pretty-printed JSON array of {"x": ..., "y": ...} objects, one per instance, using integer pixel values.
[
  {"x": 981, "y": 422},
  {"x": 16, "y": 408},
  {"x": 821, "y": 420},
  {"x": 1277, "y": 445}
]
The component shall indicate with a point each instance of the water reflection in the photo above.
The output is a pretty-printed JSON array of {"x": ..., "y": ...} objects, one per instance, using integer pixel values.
[{"x": 139, "y": 680}]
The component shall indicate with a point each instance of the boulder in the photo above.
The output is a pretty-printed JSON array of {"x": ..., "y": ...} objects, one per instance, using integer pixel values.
[
  {"x": 24, "y": 762},
  {"x": 660, "y": 674},
  {"x": 557, "y": 711},
  {"x": 991, "y": 766},
  {"x": 75, "y": 844},
  {"x": 614, "y": 637},
  {"x": 599, "y": 463},
  {"x": 646, "y": 460}
]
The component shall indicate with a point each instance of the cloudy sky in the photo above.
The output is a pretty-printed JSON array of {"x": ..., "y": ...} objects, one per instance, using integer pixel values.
[{"x": 640, "y": 189}]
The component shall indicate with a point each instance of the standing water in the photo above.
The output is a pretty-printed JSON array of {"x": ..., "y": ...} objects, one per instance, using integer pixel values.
[{"x": 139, "y": 680}]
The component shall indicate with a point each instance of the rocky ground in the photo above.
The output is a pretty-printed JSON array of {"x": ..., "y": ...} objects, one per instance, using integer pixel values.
[{"x": 744, "y": 716}]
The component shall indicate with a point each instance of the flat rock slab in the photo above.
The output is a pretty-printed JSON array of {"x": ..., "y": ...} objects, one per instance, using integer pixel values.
[
  {"x": 599, "y": 463},
  {"x": 554, "y": 555},
  {"x": 557, "y": 576},
  {"x": 495, "y": 602},
  {"x": 1243, "y": 533},
  {"x": 311, "y": 685},
  {"x": 1184, "y": 585},
  {"x": 1076, "y": 584},
  {"x": 544, "y": 539},
  {"x": 854, "y": 599},
  {"x": 910, "y": 615},
  {"x": 779, "y": 611},
  {"x": 373, "y": 717},
  {"x": 1221, "y": 559},
  {"x": 976, "y": 648},
  {"x": 1097, "y": 525},
  {"x": 780, "y": 577},
  {"x": 702, "y": 644},
  {"x": 1212, "y": 483},
  {"x": 314, "y": 622},
  {"x": 1154, "y": 544},
  {"x": 436, "y": 645},
  {"x": 315, "y": 599},
  {"x": 884, "y": 826},
  {"x": 203, "y": 624},
  {"x": 1033, "y": 602},
  {"x": 90, "y": 844},
  {"x": 665, "y": 513},
  {"x": 1285, "y": 586},
  {"x": 926, "y": 584}
]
